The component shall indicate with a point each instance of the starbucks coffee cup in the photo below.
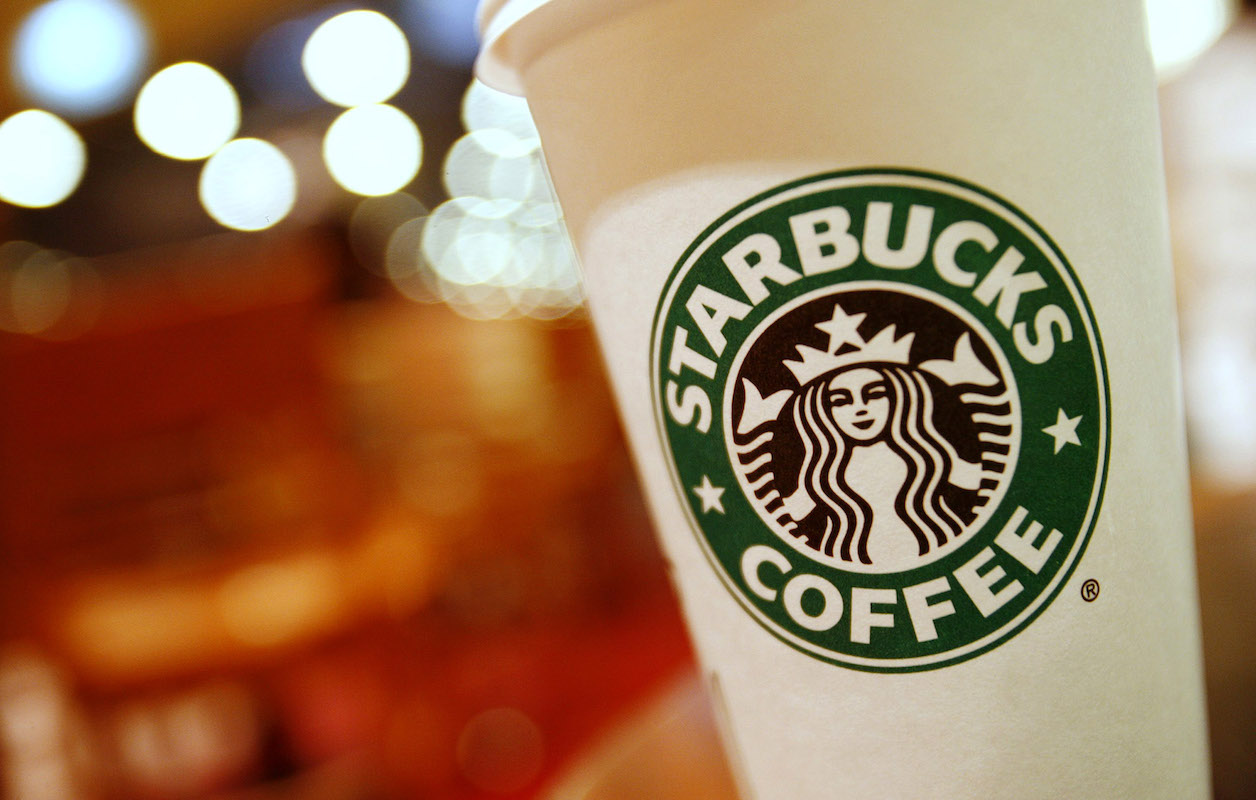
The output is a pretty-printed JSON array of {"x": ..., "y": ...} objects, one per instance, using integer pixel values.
[{"x": 884, "y": 293}]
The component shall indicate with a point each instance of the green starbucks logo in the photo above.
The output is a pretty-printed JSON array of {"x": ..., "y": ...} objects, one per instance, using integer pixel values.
[{"x": 883, "y": 395}]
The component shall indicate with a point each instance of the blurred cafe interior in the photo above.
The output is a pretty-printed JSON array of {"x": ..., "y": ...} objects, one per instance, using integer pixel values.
[{"x": 311, "y": 485}]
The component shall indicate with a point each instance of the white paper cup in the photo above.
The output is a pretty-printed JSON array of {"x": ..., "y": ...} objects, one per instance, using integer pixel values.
[{"x": 884, "y": 292}]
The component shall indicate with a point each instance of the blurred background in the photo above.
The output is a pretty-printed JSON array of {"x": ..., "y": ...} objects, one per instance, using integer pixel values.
[{"x": 311, "y": 485}]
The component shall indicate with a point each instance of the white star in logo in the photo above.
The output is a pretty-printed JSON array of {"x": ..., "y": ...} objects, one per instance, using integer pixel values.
[
  {"x": 1064, "y": 431},
  {"x": 842, "y": 328},
  {"x": 709, "y": 495}
]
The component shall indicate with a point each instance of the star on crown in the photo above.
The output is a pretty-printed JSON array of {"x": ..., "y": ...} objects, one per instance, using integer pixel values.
[{"x": 843, "y": 331}]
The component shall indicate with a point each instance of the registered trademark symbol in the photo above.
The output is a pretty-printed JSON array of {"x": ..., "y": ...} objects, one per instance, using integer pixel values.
[{"x": 1090, "y": 590}]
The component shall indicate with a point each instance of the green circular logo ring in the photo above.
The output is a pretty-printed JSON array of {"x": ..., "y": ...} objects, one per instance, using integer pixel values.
[{"x": 884, "y": 401}]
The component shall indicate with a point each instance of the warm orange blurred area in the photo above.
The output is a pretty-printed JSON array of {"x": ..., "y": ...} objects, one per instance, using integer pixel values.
[
  {"x": 311, "y": 483},
  {"x": 255, "y": 534}
]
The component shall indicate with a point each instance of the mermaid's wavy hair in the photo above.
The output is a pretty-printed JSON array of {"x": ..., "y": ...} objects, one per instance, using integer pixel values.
[{"x": 910, "y": 432}]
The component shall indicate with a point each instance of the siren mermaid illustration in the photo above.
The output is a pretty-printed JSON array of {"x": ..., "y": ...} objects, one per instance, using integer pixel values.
[{"x": 855, "y": 464}]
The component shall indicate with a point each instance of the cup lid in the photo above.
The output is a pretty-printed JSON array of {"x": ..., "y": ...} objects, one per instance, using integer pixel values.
[
  {"x": 511, "y": 31},
  {"x": 495, "y": 18}
]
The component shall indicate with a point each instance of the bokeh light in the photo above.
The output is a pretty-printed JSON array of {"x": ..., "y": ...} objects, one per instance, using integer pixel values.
[
  {"x": 498, "y": 248},
  {"x": 272, "y": 603},
  {"x": 493, "y": 163},
  {"x": 46, "y": 293},
  {"x": 501, "y": 750},
  {"x": 405, "y": 265},
  {"x": 248, "y": 185},
  {"x": 357, "y": 58},
  {"x": 42, "y": 159},
  {"x": 80, "y": 58},
  {"x": 489, "y": 266},
  {"x": 1180, "y": 30},
  {"x": 187, "y": 111},
  {"x": 485, "y": 107},
  {"x": 373, "y": 150},
  {"x": 35, "y": 288}
]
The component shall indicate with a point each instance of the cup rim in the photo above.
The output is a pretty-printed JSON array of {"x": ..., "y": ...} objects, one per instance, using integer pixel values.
[
  {"x": 545, "y": 22},
  {"x": 493, "y": 19}
]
